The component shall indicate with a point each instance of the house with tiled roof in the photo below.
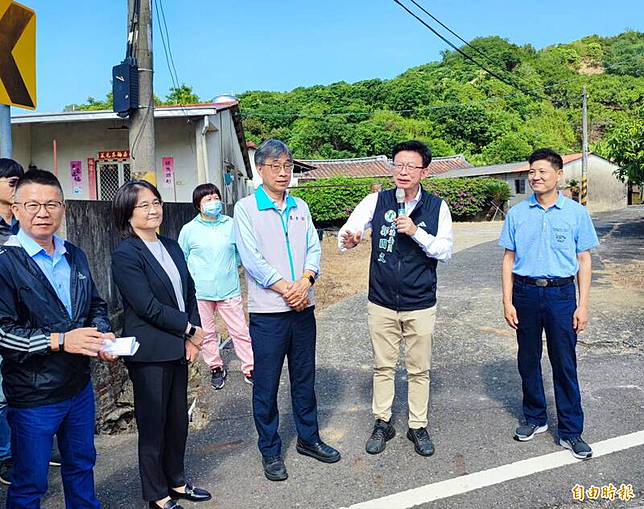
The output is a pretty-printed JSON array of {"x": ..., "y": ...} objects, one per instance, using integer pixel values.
[
  {"x": 605, "y": 190},
  {"x": 367, "y": 167}
]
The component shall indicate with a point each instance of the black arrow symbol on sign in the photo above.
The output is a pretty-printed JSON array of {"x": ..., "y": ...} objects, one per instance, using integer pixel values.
[{"x": 13, "y": 24}]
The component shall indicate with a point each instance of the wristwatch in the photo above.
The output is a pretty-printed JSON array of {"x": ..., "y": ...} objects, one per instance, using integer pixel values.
[
  {"x": 310, "y": 278},
  {"x": 61, "y": 341},
  {"x": 192, "y": 331}
]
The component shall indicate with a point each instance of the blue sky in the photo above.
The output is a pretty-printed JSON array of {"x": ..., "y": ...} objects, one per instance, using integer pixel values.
[{"x": 230, "y": 46}]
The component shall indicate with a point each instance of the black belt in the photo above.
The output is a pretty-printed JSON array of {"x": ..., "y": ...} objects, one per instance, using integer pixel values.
[{"x": 535, "y": 281}]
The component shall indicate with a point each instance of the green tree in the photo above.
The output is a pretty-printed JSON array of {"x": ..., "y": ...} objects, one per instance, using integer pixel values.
[
  {"x": 92, "y": 104},
  {"x": 181, "y": 95},
  {"x": 625, "y": 54},
  {"x": 625, "y": 146}
]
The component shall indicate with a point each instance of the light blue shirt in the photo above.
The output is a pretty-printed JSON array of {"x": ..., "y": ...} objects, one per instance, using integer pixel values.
[
  {"x": 55, "y": 268},
  {"x": 546, "y": 242},
  {"x": 211, "y": 255}
]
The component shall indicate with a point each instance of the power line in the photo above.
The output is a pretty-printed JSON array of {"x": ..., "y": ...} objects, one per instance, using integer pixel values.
[
  {"x": 167, "y": 36},
  {"x": 165, "y": 46},
  {"x": 167, "y": 49},
  {"x": 457, "y": 49},
  {"x": 480, "y": 52}
]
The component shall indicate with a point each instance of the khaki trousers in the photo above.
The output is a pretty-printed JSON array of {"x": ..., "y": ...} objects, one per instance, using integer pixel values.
[{"x": 415, "y": 329}]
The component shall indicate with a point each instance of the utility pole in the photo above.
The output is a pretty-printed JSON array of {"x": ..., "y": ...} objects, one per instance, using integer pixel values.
[
  {"x": 584, "y": 148},
  {"x": 6, "y": 147},
  {"x": 141, "y": 131}
]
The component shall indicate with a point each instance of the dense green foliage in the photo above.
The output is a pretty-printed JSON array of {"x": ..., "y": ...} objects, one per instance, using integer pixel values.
[
  {"x": 332, "y": 200},
  {"x": 181, "y": 95},
  {"x": 626, "y": 147},
  {"x": 456, "y": 107}
]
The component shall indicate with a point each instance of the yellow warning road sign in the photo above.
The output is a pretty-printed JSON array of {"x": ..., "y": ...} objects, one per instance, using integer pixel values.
[{"x": 17, "y": 55}]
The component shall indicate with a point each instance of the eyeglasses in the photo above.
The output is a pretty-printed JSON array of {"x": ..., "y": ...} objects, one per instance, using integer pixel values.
[
  {"x": 11, "y": 181},
  {"x": 33, "y": 207},
  {"x": 540, "y": 173},
  {"x": 276, "y": 167},
  {"x": 406, "y": 166},
  {"x": 147, "y": 206}
]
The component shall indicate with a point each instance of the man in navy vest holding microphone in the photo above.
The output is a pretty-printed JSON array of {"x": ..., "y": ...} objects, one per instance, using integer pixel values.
[{"x": 411, "y": 231}]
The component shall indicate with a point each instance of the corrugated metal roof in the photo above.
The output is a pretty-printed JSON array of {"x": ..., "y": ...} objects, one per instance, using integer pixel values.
[
  {"x": 496, "y": 169},
  {"x": 371, "y": 167},
  {"x": 199, "y": 110}
]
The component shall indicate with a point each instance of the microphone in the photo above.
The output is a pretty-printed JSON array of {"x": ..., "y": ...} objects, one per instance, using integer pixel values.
[{"x": 400, "y": 198}]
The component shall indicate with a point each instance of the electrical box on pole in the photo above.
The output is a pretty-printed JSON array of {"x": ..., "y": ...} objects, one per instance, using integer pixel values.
[{"x": 125, "y": 87}]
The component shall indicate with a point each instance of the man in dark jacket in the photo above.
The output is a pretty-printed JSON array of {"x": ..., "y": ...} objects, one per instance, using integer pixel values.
[
  {"x": 51, "y": 321},
  {"x": 411, "y": 231},
  {"x": 10, "y": 172}
]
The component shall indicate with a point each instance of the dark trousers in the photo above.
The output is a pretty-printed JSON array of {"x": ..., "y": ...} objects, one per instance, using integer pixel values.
[
  {"x": 550, "y": 309},
  {"x": 161, "y": 410},
  {"x": 32, "y": 435},
  {"x": 275, "y": 336}
]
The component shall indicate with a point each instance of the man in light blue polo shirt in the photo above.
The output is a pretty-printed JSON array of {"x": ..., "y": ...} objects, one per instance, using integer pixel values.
[{"x": 547, "y": 240}]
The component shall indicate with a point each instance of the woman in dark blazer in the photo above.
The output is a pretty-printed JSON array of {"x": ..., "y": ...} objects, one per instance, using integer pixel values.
[{"x": 160, "y": 309}]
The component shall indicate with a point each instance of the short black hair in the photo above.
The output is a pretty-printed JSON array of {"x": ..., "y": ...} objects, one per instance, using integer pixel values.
[
  {"x": 10, "y": 168},
  {"x": 546, "y": 154},
  {"x": 414, "y": 146},
  {"x": 124, "y": 203},
  {"x": 201, "y": 191},
  {"x": 42, "y": 177}
]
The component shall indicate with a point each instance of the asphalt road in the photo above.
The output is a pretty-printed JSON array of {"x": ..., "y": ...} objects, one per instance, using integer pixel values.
[{"x": 475, "y": 404}]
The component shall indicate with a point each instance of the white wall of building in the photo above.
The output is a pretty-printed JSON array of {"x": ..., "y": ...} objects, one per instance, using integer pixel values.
[
  {"x": 605, "y": 190},
  {"x": 181, "y": 138}
]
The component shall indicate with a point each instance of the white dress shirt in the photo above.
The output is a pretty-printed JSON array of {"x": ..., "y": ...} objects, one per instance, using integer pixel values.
[{"x": 438, "y": 246}]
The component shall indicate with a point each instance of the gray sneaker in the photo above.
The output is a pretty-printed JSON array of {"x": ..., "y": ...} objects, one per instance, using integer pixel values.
[
  {"x": 528, "y": 431},
  {"x": 218, "y": 378},
  {"x": 383, "y": 431},
  {"x": 579, "y": 449}
]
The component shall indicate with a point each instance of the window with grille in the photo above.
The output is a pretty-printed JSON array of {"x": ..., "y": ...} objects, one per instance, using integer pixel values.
[
  {"x": 519, "y": 186},
  {"x": 111, "y": 176}
]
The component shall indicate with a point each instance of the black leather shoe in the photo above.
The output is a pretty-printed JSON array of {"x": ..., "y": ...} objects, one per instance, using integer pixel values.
[
  {"x": 170, "y": 504},
  {"x": 383, "y": 431},
  {"x": 422, "y": 443},
  {"x": 274, "y": 469},
  {"x": 193, "y": 494},
  {"x": 318, "y": 450}
]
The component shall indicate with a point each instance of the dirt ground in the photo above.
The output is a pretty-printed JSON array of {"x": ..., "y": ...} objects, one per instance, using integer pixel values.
[
  {"x": 342, "y": 274},
  {"x": 346, "y": 274}
]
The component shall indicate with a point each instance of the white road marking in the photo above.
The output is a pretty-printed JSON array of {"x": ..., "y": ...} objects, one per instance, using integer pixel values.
[{"x": 497, "y": 475}]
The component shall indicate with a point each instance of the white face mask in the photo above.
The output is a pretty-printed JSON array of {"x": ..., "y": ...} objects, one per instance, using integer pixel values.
[{"x": 212, "y": 208}]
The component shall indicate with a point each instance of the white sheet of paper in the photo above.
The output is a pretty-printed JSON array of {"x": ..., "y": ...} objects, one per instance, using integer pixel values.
[{"x": 122, "y": 347}]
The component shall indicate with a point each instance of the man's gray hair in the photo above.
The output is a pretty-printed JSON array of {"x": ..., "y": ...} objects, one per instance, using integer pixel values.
[{"x": 271, "y": 149}]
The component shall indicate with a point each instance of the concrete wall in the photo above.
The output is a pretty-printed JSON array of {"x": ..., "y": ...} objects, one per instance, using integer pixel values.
[
  {"x": 605, "y": 191},
  {"x": 180, "y": 138},
  {"x": 175, "y": 137},
  {"x": 75, "y": 142}
]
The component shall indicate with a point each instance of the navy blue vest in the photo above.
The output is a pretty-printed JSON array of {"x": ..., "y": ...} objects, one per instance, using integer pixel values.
[{"x": 401, "y": 276}]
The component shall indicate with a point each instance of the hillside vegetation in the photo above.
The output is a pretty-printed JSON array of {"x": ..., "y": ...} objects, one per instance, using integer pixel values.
[{"x": 456, "y": 107}]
